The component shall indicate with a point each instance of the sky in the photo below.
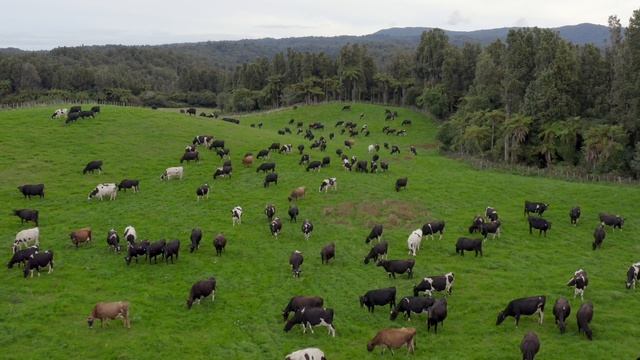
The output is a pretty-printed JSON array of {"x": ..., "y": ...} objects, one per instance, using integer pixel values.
[{"x": 46, "y": 24}]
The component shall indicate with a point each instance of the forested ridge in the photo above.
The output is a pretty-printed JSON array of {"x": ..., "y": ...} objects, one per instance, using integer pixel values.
[{"x": 533, "y": 98}]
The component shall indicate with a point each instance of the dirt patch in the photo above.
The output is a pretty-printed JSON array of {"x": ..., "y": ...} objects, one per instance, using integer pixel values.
[
  {"x": 427, "y": 146},
  {"x": 391, "y": 213}
]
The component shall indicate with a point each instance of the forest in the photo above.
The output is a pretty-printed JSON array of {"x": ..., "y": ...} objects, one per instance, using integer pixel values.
[{"x": 533, "y": 99}]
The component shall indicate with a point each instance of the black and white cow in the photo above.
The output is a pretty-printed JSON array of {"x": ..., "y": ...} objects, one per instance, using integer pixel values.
[
  {"x": 523, "y": 306},
  {"x": 476, "y": 224},
  {"x": 574, "y": 215},
  {"x": 314, "y": 165},
  {"x": 437, "y": 314},
  {"x": 135, "y": 250},
  {"x": 104, "y": 190},
  {"x": 266, "y": 167},
  {"x": 584, "y": 316},
  {"x": 376, "y": 233},
  {"x": 293, "y": 213},
  {"x": 190, "y": 156},
  {"x": 393, "y": 267},
  {"x": 275, "y": 226},
  {"x": 216, "y": 144},
  {"x": 540, "y": 224},
  {"x": 172, "y": 172},
  {"x": 412, "y": 304},
  {"x": 286, "y": 148},
  {"x": 438, "y": 283},
  {"x": 492, "y": 228},
  {"x": 295, "y": 260},
  {"x": 307, "y": 229},
  {"x": 579, "y": 281},
  {"x": 535, "y": 207},
  {"x": 30, "y": 190},
  {"x": 263, "y": 154},
  {"x": 39, "y": 260},
  {"x": 379, "y": 297},
  {"x": 59, "y": 113},
  {"x": 330, "y": 183},
  {"x": 26, "y": 237},
  {"x": 433, "y": 227},
  {"x": 561, "y": 311},
  {"x": 196, "y": 237},
  {"x": 93, "y": 166},
  {"x": 202, "y": 191},
  {"x": 491, "y": 213},
  {"x": 401, "y": 183},
  {"x": 113, "y": 240},
  {"x": 129, "y": 184},
  {"x": 395, "y": 149},
  {"x": 633, "y": 275},
  {"x": 598, "y": 237},
  {"x": 224, "y": 171},
  {"x": 615, "y": 221},
  {"x": 270, "y": 211},
  {"x": 270, "y": 178},
  {"x": 27, "y": 215},
  {"x": 465, "y": 244},
  {"x": 236, "y": 215},
  {"x": 297, "y": 303},
  {"x": 130, "y": 234},
  {"x": 304, "y": 159},
  {"x": 378, "y": 251},
  {"x": 20, "y": 257},
  {"x": 384, "y": 166},
  {"x": 202, "y": 140},
  {"x": 310, "y": 317}
]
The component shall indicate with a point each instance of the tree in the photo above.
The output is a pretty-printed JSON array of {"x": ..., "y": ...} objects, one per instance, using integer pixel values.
[
  {"x": 430, "y": 56},
  {"x": 515, "y": 132},
  {"x": 603, "y": 143}
]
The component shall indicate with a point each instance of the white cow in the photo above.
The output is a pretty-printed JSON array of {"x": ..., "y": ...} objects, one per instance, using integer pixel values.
[
  {"x": 172, "y": 172},
  {"x": 236, "y": 215},
  {"x": 306, "y": 354},
  {"x": 371, "y": 148},
  {"x": 26, "y": 237},
  {"x": 102, "y": 190},
  {"x": 413, "y": 242},
  {"x": 130, "y": 234}
]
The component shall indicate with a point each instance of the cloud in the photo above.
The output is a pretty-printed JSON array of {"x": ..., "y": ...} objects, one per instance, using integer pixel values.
[
  {"x": 521, "y": 22},
  {"x": 456, "y": 18}
]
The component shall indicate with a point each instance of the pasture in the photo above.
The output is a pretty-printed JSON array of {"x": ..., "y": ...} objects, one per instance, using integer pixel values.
[{"x": 46, "y": 316}]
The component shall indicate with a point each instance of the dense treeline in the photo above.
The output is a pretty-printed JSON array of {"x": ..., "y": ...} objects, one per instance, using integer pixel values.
[{"x": 531, "y": 99}]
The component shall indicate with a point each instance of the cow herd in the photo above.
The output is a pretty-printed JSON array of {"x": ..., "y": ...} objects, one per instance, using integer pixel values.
[{"x": 309, "y": 311}]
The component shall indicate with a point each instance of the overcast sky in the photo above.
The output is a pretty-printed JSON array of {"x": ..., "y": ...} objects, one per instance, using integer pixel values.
[{"x": 45, "y": 24}]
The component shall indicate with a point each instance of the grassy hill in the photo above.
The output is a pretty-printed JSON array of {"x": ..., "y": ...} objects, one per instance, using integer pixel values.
[{"x": 45, "y": 317}]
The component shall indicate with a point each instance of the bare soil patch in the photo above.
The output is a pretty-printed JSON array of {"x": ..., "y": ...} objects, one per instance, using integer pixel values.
[{"x": 391, "y": 213}]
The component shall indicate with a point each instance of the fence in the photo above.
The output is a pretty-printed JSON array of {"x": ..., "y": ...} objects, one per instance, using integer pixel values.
[{"x": 52, "y": 102}]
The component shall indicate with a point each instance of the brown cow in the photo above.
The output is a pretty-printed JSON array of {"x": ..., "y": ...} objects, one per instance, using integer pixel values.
[
  {"x": 80, "y": 236},
  {"x": 297, "y": 193},
  {"x": 247, "y": 160},
  {"x": 108, "y": 311},
  {"x": 394, "y": 339}
]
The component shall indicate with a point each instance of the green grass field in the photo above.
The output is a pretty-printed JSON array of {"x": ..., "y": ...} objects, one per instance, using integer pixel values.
[{"x": 45, "y": 317}]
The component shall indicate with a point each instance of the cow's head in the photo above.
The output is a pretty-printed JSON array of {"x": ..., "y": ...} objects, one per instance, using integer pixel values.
[
  {"x": 501, "y": 317},
  {"x": 93, "y": 193}
]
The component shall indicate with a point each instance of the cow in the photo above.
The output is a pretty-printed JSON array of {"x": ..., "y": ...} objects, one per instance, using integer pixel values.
[
  {"x": 29, "y": 190},
  {"x": 435, "y": 283},
  {"x": 39, "y": 260},
  {"x": 95, "y": 109},
  {"x": 26, "y": 237},
  {"x": 274, "y": 146},
  {"x": 310, "y": 317},
  {"x": 327, "y": 253},
  {"x": 103, "y": 190},
  {"x": 155, "y": 249},
  {"x": 378, "y": 251},
  {"x": 414, "y": 240},
  {"x": 293, "y": 213},
  {"x": 191, "y": 111},
  {"x": 200, "y": 290},
  {"x": 409, "y": 304},
  {"x": 297, "y": 303},
  {"x": 189, "y": 156},
  {"x": 301, "y": 148},
  {"x": 330, "y": 183},
  {"x": 27, "y": 215},
  {"x": 134, "y": 250},
  {"x": 393, "y": 267},
  {"x": 523, "y": 306},
  {"x": 59, "y": 113},
  {"x": 196, "y": 237},
  {"x": 584, "y": 316},
  {"x": 170, "y": 250},
  {"x": 223, "y": 153},
  {"x": 86, "y": 114},
  {"x": 491, "y": 213},
  {"x": 529, "y": 346},
  {"x": 297, "y": 193},
  {"x": 307, "y": 229},
  {"x": 615, "y": 221},
  {"x": 574, "y": 215},
  {"x": 219, "y": 243},
  {"x": 384, "y": 166},
  {"x": 467, "y": 244},
  {"x": 393, "y": 339},
  {"x": 190, "y": 148},
  {"x": 374, "y": 167},
  {"x": 349, "y": 143},
  {"x": 130, "y": 234},
  {"x": 579, "y": 281},
  {"x": 433, "y": 227},
  {"x": 534, "y": 207},
  {"x": 395, "y": 149},
  {"x": 306, "y": 354},
  {"x": 266, "y": 167},
  {"x": 346, "y": 108},
  {"x": 314, "y": 165},
  {"x": 346, "y": 164},
  {"x": 202, "y": 140},
  {"x": 598, "y": 237},
  {"x": 216, "y": 144},
  {"x": 561, "y": 311},
  {"x": 379, "y": 297},
  {"x": 236, "y": 215},
  {"x": 247, "y": 160},
  {"x": 437, "y": 314},
  {"x": 109, "y": 311},
  {"x": 75, "y": 108},
  {"x": 540, "y": 224},
  {"x": 224, "y": 171},
  {"x": 263, "y": 154},
  {"x": 304, "y": 159},
  {"x": 361, "y": 166},
  {"x": 401, "y": 183},
  {"x": 172, "y": 172},
  {"x": 493, "y": 228},
  {"x": 376, "y": 233},
  {"x": 20, "y": 257},
  {"x": 633, "y": 275},
  {"x": 270, "y": 211},
  {"x": 71, "y": 117},
  {"x": 129, "y": 184},
  {"x": 93, "y": 166},
  {"x": 275, "y": 226},
  {"x": 295, "y": 260},
  {"x": 80, "y": 236},
  {"x": 326, "y": 161},
  {"x": 286, "y": 148},
  {"x": 113, "y": 240}
]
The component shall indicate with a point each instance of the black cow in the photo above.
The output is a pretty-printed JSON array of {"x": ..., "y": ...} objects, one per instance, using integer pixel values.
[
  {"x": 21, "y": 256},
  {"x": 579, "y": 281},
  {"x": 633, "y": 275},
  {"x": 266, "y": 167},
  {"x": 561, "y": 311},
  {"x": 275, "y": 226},
  {"x": 435, "y": 283},
  {"x": 196, "y": 236},
  {"x": 191, "y": 111},
  {"x": 170, "y": 250},
  {"x": 219, "y": 243},
  {"x": 412, "y": 304},
  {"x": 304, "y": 159},
  {"x": 202, "y": 289},
  {"x": 535, "y": 207},
  {"x": 401, "y": 183},
  {"x": 326, "y": 161},
  {"x": 301, "y": 148},
  {"x": 493, "y": 228},
  {"x": 216, "y": 144},
  {"x": 361, "y": 166},
  {"x": 129, "y": 184},
  {"x": 327, "y": 253},
  {"x": 384, "y": 166},
  {"x": 93, "y": 166},
  {"x": 615, "y": 221},
  {"x": 224, "y": 171},
  {"x": 95, "y": 109},
  {"x": 270, "y": 211},
  {"x": 270, "y": 178},
  {"x": 274, "y": 146},
  {"x": 395, "y": 150},
  {"x": 27, "y": 215},
  {"x": 155, "y": 249},
  {"x": 598, "y": 237},
  {"x": 433, "y": 227},
  {"x": 540, "y": 224},
  {"x": 263, "y": 154},
  {"x": 75, "y": 109},
  {"x": 295, "y": 260},
  {"x": 71, "y": 117},
  {"x": 523, "y": 306},
  {"x": 223, "y": 153},
  {"x": 529, "y": 346},
  {"x": 394, "y": 267},
  {"x": 574, "y": 215},
  {"x": 584, "y": 316},
  {"x": 32, "y": 190},
  {"x": 190, "y": 156},
  {"x": 86, "y": 114},
  {"x": 491, "y": 213},
  {"x": 437, "y": 314},
  {"x": 379, "y": 297},
  {"x": 378, "y": 251},
  {"x": 406, "y": 122},
  {"x": 38, "y": 260},
  {"x": 345, "y": 108},
  {"x": 293, "y": 213},
  {"x": 297, "y": 303},
  {"x": 376, "y": 233},
  {"x": 469, "y": 245},
  {"x": 310, "y": 317},
  {"x": 113, "y": 240},
  {"x": 314, "y": 165},
  {"x": 135, "y": 250}
]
